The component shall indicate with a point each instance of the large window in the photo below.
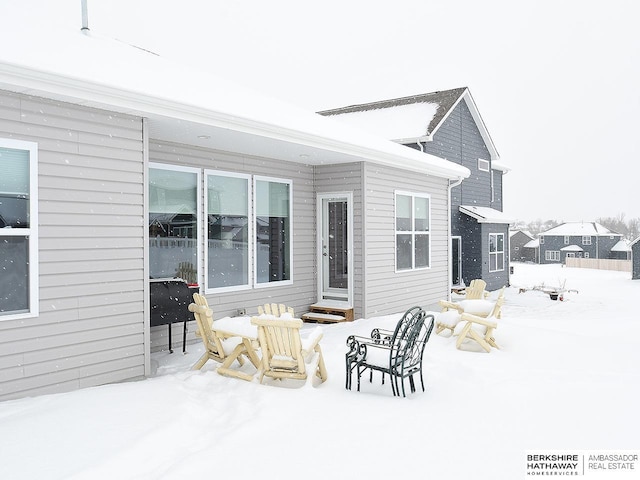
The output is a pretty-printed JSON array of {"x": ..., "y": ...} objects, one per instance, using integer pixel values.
[
  {"x": 496, "y": 252},
  {"x": 273, "y": 230},
  {"x": 18, "y": 229},
  {"x": 227, "y": 200},
  {"x": 413, "y": 225},
  {"x": 552, "y": 255},
  {"x": 174, "y": 194}
]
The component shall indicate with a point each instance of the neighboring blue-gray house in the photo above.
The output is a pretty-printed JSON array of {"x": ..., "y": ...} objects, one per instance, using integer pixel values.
[
  {"x": 578, "y": 239},
  {"x": 522, "y": 246},
  {"x": 448, "y": 124},
  {"x": 635, "y": 259}
]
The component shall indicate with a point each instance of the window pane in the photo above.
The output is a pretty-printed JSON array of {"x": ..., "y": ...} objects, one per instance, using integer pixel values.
[
  {"x": 492, "y": 262},
  {"x": 422, "y": 250},
  {"x": 500, "y": 243},
  {"x": 403, "y": 213},
  {"x": 228, "y": 231},
  {"x": 173, "y": 216},
  {"x": 421, "y": 214},
  {"x": 500, "y": 261},
  {"x": 14, "y": 275},
  {"x": 272, "y": 231},
  {"x": 492, "y": 243},
  {"x": 404, "y": 251},
  {"x": 14, "y": 188}
]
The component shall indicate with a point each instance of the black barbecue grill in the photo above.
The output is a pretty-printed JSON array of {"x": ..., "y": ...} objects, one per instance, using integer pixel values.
[{"x": 170, "y": 299}]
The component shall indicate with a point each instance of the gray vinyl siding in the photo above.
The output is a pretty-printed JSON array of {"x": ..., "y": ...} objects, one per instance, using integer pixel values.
[
  {"x": 497, "y": 190},
  {"x": 90, "y": 327},
  {"x": 635, "y": 259},
  {"x": 349, "y": 178},
  {"x": 385, "y": 290},
  {"x": 459, "y": 140},
  {"x": 303, "y": 292}
]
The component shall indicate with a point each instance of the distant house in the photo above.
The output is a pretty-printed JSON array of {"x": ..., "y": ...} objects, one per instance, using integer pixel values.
[
  {"x": 578, "y": 239},
  {"x": 118, "y": 168},
  {"x": 523, "y": 246},
  {"x": 448, "y": 124},
  {"x": 635, "y": 259}
]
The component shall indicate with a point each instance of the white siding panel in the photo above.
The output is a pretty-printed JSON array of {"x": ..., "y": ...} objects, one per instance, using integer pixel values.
[
  {"x": 387, "y": 291},
  {"x": 91, "y": 192}
]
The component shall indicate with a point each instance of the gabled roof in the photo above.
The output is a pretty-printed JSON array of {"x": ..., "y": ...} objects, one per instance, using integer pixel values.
[
  {"x": 484, "y": 214},
  {"x": 187, "y": 105},
  {"x": 622, "y": 246},
  {"x": 390, "y": 118},
  {"x": 524, "y": 232},
  {"x": 579, "y": 228}
]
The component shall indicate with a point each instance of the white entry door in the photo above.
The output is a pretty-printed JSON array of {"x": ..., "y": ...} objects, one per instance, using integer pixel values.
[{"x": 335, "y": 246}]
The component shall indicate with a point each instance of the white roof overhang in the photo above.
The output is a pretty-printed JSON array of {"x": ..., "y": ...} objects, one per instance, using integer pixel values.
[{"x": 196, "y": 108}]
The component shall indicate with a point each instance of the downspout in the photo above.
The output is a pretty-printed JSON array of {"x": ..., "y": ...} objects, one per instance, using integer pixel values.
[
  {"x": 85, "y": 17},
  {"x": 449, "y": 239}
]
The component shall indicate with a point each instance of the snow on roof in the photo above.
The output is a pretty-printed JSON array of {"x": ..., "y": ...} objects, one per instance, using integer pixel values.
[
  {"x": 622, "y": 246},
  {"x": 532, "y": 244},
  {"x": 397, "y": 123},
  {"x": 572, "y": 248},
  {"x": 485, "y": 214},
  {"x": 525, "y": 232},
  {"x": 87, "y": 69},
  {"x": 579, "y": 228},
  {"x": 445, "y": 100}
]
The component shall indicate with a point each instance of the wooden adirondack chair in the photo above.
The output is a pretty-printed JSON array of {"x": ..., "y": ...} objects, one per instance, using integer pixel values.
[
  {"x": 476, "y": 290},
  {"x": 452, "y": 311},
  {"x": 473, "y": 328},
  {"x": 274, "y": 309},
  {"x": 217, "y": 346},
  {"x": 285, "y": 354}
]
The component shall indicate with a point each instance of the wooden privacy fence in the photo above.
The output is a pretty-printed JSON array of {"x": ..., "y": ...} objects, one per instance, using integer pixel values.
[{"x": 600, "y": 264}]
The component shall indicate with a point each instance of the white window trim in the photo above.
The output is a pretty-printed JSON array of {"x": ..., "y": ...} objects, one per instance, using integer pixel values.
[
  {"x": 484, "y": 165},
  {"x": 566, "y": 239},
  {"x": 552, "y": 255},
  {"x": 31, "y": 232},
  {"x": 250, "y": 239},
  {"x": 412, "y": 231},
  {"x": 586, "y": 239},
  {"x": 256, "y": 179},
  {"x": 199, "y": 215},
  {"x": 497, "y": 252}
]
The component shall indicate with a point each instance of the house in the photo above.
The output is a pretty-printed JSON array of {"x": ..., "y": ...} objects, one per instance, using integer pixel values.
[
  {"x": 448, "y": 124},
  {"x": 523, "y": 247},
  {"x": 635, "y": 259},
  {"x": 118, "y": 167},
  {"x": 577, "y": 239}
]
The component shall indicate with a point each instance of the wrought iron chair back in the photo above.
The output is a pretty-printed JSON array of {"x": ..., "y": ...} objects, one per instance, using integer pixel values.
[{"x": 398, "y": 353}]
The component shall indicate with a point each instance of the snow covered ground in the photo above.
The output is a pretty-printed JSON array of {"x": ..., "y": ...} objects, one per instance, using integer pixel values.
[{"x": 566, "y": 379}]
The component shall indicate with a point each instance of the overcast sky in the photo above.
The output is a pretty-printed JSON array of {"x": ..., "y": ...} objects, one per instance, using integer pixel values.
[{"x": 556, "y": 82}]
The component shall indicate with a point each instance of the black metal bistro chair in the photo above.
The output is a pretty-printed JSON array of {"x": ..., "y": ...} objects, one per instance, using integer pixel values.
[{"x": 397, "y": 354}]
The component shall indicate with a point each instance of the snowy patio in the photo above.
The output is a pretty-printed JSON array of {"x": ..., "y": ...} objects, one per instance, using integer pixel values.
[{"x": 565, "y": 379}]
